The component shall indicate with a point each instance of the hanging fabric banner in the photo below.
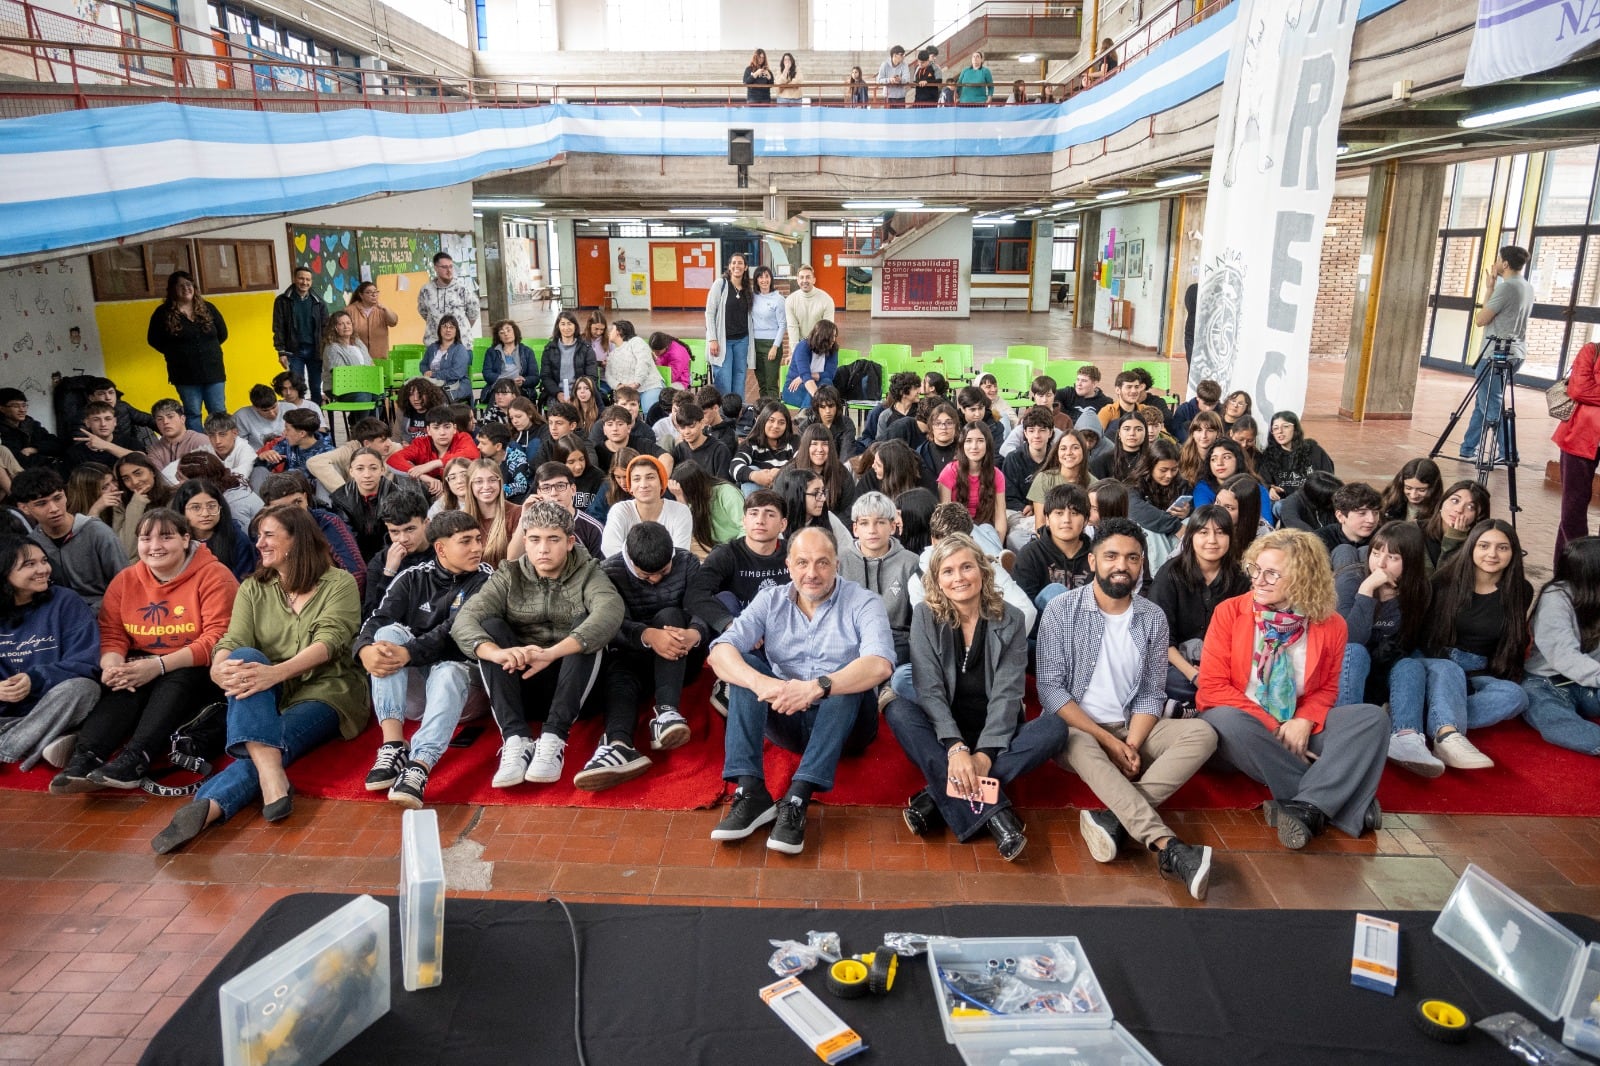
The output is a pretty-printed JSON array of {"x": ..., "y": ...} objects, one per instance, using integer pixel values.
[
  {"x": 1514, "y": 38},
  {"x": 1272, "y": 175}
]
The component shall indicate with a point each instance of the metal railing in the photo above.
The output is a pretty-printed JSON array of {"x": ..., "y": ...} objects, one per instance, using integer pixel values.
[
  {"x": 1004, "y": 18},
  {"x": 1165, "y": 24}
]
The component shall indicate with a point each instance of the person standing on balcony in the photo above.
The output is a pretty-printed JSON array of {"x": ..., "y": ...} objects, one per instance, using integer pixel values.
[
  {"x": 927, "y": 78},
  {"x": 788, "y": 80},
  {"x": 758, "y": 79},
  {"x": 855, "y": 90},
  {"x": 976, "y": 83},
  {"x": 893, "y": 75},
  {"x": 447, "y": 295},
  {"x": 1104, "y": 67},
  {"x": 728, "y": 308},
  {"x": 1019, "y": 92}
]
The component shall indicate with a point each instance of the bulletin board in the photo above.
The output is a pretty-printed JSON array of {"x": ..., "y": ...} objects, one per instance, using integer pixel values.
[
  {"x": 399, "y": 262},
  {"x": 921, "y": 284},
  {"x": 332, "y": 256},
  {"x": 681, "y": 273}
]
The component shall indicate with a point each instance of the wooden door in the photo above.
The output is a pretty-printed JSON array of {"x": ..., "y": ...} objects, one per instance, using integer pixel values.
[
  {"x": 825, "y": 253},
  {"x": 681, "y": 273},
  {"x": 594, "y": 270}
]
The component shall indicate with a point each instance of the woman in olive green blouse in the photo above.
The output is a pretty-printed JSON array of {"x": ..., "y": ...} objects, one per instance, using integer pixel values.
[{"x": 286, "y": 669}]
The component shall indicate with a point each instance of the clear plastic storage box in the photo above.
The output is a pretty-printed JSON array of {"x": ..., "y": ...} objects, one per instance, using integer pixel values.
[
  {"x": 1075, "y": 1047},
  {"x": 972, "y": 957},
  {"x": 1526, "y": 950},
  {"x": 421, "y": 901},
  {"x": 309, "y": 998}
]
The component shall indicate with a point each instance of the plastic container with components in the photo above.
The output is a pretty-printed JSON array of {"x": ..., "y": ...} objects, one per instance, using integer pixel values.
[
  {"x": 309, "y": 998},
  {"x": 1114, "y": 1046},
  {"x": 1526, "y": 950},
  {"x": 421, "y": 901}
]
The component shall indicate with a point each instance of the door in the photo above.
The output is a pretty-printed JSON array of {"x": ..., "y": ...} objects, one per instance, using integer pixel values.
[
  {"x": 594, "y": 270},
  {"x": 825, "y": 253},
  {"x": 681, "y": 273}
]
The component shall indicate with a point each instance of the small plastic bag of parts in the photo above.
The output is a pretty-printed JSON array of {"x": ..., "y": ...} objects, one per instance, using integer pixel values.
[
  {"x": 1000, "y": 991},
  {"x": 1527, "y": 1041},
  {"x": 909, "y": 945},
  {"x": 793, "y": 957}
]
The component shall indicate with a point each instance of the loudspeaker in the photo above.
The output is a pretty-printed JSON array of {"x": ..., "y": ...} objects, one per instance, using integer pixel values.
[{"x": 741, "y": 148}]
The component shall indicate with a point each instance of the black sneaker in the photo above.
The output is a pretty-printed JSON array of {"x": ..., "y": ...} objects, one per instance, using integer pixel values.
[
  {"x": 75, "y": 776},
  {"x": 611, "y": 764},
  {"x": 1186, "y": 863},
  {"x": 1295, "y": 822},
  {"x": 124, "y": 771},
  {"x": 789, "y": 832},
  {"x": 408, "y": 787},
  {"x": 1102, "y": 833},
  {"x": 750, "y": 811},
  {"x": 719, "y": 697},
  {"x": 387, "y": 766}
]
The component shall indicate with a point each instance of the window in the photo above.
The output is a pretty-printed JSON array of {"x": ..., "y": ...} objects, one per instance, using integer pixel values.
[
  {"x": 1004, "y": 248},
  {"x": 663, "y": 25},
  {"x": 1568, "y": 180},
  {"x": 849, "y": 25},
  {"x": 236, "y": 266},
  {"x": 137, "y": 271}
]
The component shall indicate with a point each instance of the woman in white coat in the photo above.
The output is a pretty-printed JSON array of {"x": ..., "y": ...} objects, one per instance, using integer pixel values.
[{"x": 728, "y": 326}]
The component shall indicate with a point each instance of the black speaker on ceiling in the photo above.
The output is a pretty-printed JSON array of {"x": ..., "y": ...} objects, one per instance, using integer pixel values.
[{"x": 741, "y": 148}]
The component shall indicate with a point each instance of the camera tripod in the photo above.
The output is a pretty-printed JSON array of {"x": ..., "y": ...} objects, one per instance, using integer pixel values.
[{"x": 1497, "y": 445}]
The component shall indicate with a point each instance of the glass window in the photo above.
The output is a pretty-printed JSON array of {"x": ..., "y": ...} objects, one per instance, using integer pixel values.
[
  {"x": 118, "y": 273},
  {"x": 1553, "y": 268},
  {"x": 854, "y": 25},
  {"x": 1588, "y": 293},
  {"x": 1544, "y": 348},
  {"x": 1564, "y": 194},
  {"x": 165, "y": 257},
  {"x": 447, "y": 17},
  {"x": 1469, "y": 205},
  {"x": 1458, "y": 266},
  {"x": 1064, "y": 254},
  {"x": 664, "y": 25},
  {"x": 1449, "y": 339},
  {"x": 1513, "y": 210},
  {"x": 1012, "y": 256}
]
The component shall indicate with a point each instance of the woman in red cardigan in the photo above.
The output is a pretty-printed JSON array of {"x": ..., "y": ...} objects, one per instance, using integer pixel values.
[
  {"x": 1579, "y": 440},
  {"x": 1269, "y": 673}
]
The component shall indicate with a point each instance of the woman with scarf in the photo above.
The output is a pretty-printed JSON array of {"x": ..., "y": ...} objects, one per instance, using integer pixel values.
[{"x": 1268, "y": 682}]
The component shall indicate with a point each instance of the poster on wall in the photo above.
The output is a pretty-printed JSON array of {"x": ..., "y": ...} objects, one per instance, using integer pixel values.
[
  {"x": 1271, "y": 187},
  {"x": 385, "y": 251},
  {"x": 332, "y": 256},
  {"x": 1135, "y": 260},
  {"x": 921, "y": 284},
  {"x": 47, "y": 327},
  {"x": 463, "y": 248}
]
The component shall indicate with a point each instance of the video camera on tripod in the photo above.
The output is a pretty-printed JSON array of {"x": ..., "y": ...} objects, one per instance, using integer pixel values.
[
  {"x": 1497, "y": 443},
  {"x": 1500, "y": 352}
]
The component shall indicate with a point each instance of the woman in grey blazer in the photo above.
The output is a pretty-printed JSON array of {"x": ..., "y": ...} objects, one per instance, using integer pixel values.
[{"x": 969, "y": 658}]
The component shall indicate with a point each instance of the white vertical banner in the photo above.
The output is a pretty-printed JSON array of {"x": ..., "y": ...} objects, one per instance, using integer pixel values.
[
  {"x": 1272, "y": 175},
  {"x": 1513, "y": 38}
]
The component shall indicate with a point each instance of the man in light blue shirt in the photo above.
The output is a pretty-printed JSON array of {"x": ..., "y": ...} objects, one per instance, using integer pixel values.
[{"x": 827, "y": 648}]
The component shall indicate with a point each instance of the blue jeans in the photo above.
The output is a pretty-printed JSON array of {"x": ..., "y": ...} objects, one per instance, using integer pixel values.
[
  {"x": 903, "y": 683},
  {"x": 295, "y": 730},
  {"x": 729, "y": 377},
  {"x": 447, "y": 687},
  {"x": 1428, "y": 695},
  {"x": 1353, "y": 675},
  {"x": 839, "y": 725},
  {"x": 1485, "y": 407},
  {"x": 213, "y": 395},
  {"x": 1564, "y": 714},
  {"x": 647, "y": 399},
  {"x": 306, "y": 364}
]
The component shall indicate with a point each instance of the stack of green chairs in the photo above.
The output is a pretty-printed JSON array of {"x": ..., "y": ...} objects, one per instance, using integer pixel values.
[
  {"x": 1036, "y": 354},
  {"x": 892, "y": 357},
  {"x": 1013, "y": 376},
  {"x": 410, "y": 367},
  {"x": 1159, "y": 369}
]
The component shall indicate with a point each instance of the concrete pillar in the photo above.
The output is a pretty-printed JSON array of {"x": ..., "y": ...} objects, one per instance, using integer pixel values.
[
  {"x": 495, "y": 291},
  {"x": 1391, "y": 304},
  {"x": 1087, "y": 289}
]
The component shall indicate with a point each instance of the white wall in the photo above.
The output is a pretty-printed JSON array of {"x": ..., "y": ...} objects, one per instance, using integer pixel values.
[
  {"x": 1044, "y": 236},
  {"x": 952, "y": 239},
  {"x": 637, "y": 261},
  {"x": 773, "y": 24},
  {"x": 1146, "y": 222},
  {"x": 39, "y": 305}
]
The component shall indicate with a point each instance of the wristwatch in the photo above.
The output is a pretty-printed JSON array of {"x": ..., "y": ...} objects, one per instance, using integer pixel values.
[{"x": 825, "y": 683}]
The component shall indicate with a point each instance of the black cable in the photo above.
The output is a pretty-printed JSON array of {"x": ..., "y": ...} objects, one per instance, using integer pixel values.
[{"x": 577, "y": 982}]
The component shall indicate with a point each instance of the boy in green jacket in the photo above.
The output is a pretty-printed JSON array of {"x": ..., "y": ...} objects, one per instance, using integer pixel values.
[{"x": 553, "y": 608}]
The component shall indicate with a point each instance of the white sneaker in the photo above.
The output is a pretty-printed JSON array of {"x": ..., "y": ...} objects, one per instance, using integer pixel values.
[
  {"x": 1457, "y": 752},
  {"x": 668, "y": 730},
  {"x": 59, "y": 750},
  {"x": 547, "y": 760},
  {"x": 514, "y": 756},
  {"x": 1410, "y": 750}
]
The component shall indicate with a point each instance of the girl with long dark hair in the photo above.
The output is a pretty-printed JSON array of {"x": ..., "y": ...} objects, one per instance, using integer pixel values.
[
  {"x": 973, "y": 481},
  {"x": 447, "y": 362},
  {"x": 812, "y": 364},
  {"x": 728, "y": 306},
  {"x": 1384, "y": 601},
  {"x": 913, "y": 510},
  {"x": 1204, "y": 572},
  {"x": 1312, "y": 507},
  {"x": 1241, "y": 495},
  {"x": 52, "y": 655},
  {"x": 805, "y": 503},
  {"x": 766, "y": 451},
  {"x": 1205, "y": 429},
  {"x": 1289, "y": 456},
  {"x": 817, "y": 452},
  {"x": 1129, "y": 436},
  {"x": 1154, "y": 487},
  {"x": 567, "y": 357},
  {"x": 1563, "y": 678},
  {"x": 189, "y": 333},
  {"x": 1464, "y": 505},
  {"x": 716, "y": 507},
  {"x": 1415, "y": 492},
  {"x": 1470, "y": 671},
  {"x": 205, "y": 508},
  {"x": 895, "y": 468}
]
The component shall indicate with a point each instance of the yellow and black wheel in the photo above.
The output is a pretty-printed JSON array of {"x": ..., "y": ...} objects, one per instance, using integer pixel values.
[
  {"x": 882, "y": 966},
  {"x": 848, "y": 978},
  {"x": 1442, "y": 1021}
]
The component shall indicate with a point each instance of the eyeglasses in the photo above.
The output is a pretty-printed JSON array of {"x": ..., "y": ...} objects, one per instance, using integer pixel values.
[
  {"x": 203, "y": 508},
  {"x": 1266, "y": 577},
  {"x": 821, "y": 494},
  {"x": 943, "y": 423},
  {"x": 555, "y": 486}
]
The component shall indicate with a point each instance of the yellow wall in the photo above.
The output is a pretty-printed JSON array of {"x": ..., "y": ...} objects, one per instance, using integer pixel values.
[
  {"x": 141, "y": 373},
  {"x": 404, "y": 304}
]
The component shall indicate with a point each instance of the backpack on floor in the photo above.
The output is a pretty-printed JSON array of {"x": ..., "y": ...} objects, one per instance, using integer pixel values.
[{"x": 196, "y": 746}]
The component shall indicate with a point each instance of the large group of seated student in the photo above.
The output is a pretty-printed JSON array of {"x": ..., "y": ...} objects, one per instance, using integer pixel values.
[{"x": 1174, "y": 582}]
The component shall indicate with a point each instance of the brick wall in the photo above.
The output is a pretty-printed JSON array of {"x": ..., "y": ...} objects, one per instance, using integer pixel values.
[{"x": 1336, "y": 289}]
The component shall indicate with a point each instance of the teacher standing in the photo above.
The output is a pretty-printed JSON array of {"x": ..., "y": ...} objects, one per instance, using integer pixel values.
[{"x": 189, "y": 332}]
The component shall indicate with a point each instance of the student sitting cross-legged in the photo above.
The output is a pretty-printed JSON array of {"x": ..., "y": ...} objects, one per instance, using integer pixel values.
[
  {"x": 48, "y": 653},
  {"x": 1103, "y": 668},
  {"x": 827, "y": 649},
  {"x": 417, "y": 671},
  {"x": 551, "y": 610},
  {"x": 969, "y": 655}
]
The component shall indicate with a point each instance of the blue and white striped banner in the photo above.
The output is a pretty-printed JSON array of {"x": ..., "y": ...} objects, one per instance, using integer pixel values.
[{"x": 90, "y": 176}]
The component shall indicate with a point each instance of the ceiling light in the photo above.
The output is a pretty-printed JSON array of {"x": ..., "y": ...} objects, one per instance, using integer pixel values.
[
  {"x": 1343, "y": 148},
  {"x": 1404, "y": 148},
  {"x": 1028, "y": 57},
  {"x": 943, "y": 210},
  {"x": 701, "y": 212},
  {"x": 507, "y": 203},
  {"x": 1034, "y": 211},
  {"x": 882, "y": 205},
  {"x": 1570, "y": 102},
  {"x": 1063, "y": 205},
  {"x": 607, "y": 221},
  {"x": 1181, "y": 179},
  {"x": 1112, "y": 194}
]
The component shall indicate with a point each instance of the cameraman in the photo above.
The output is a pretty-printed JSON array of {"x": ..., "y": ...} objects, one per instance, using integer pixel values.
[{"x": 1507, "y": 300}]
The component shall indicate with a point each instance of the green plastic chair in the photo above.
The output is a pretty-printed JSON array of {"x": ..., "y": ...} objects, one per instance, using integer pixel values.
[
  {"x": 410, "y": 367},
  {"x": 848, "y": 356},
  {"x": 348, "y": 379},
  {"x": 401, "y": 351},
  {"x": 699, "y": 366},
  {"x": 942, "y": 350},
  {"x": 666, "y": 375},
  {"x": 482, "y": 344},
  {"x": 1013, "y": 376},
  {"x": 958, "y": 366},
  {"x": 1160, "y": 371},
  {"x": 1065, "y": 371},
  {"x": 1036, "y": 354},
  {"x": 475, "y": 375},
  {"x": 892, "y": 357}
]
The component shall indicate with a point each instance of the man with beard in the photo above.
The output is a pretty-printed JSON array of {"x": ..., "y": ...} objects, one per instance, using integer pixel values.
[{"x": 1102, "y": 655}]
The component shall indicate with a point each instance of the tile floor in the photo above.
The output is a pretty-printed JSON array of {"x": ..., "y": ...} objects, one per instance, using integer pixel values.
[{"x": 100, "y": 940}]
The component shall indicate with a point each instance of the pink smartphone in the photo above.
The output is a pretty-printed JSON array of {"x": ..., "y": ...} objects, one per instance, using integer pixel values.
[{"x": 988, "y": 790}]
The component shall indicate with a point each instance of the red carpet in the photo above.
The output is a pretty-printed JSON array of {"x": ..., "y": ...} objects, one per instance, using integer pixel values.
[{"x": 1530, "y": 776}]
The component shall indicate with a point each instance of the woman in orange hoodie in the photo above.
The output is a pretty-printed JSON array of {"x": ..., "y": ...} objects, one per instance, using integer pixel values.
[
  {"x": 1269, "y": 675},
  {"x": 159, "y": 621}
]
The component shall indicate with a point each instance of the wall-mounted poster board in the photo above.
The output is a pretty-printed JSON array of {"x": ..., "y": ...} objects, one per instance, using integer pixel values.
[
  {"x": 332, "y": 256},
  {"x": 921, "y": 284}
]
